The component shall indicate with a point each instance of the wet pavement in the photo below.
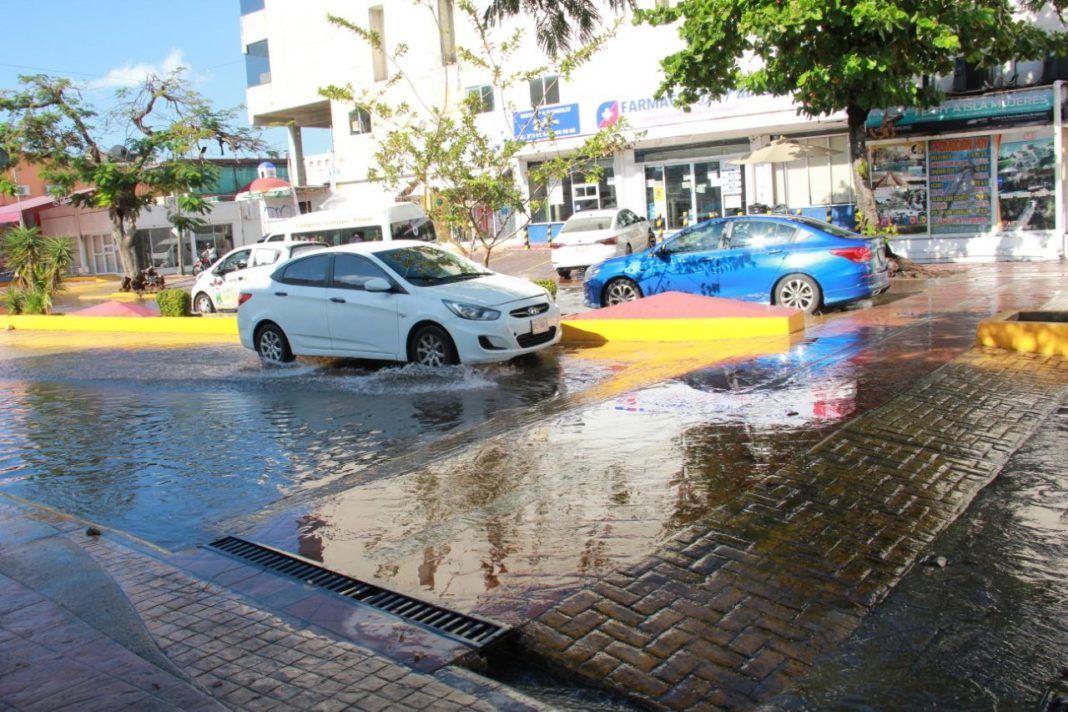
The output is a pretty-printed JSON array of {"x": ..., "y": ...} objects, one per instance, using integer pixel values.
[{"x": 505, "y": 490}]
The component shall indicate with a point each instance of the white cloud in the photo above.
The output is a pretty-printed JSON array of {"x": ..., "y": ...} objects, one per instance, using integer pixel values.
[{"x": 132, "y": 75}]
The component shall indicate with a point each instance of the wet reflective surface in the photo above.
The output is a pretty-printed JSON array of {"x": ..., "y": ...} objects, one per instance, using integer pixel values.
[
  {"x": 496, "y": 490},
  {"x": 985, "y": 632}
]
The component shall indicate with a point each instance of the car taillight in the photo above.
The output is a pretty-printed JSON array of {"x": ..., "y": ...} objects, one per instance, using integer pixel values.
[
  {"x": 555, "y": 245},
  {"x": 608, "y": 241},
  {"x": 860, "y": 255},
  {"x": 243, "y": 297}
]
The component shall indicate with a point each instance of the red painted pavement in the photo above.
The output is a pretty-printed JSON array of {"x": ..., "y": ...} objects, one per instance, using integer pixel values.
[{"x": 116, "y": 308}]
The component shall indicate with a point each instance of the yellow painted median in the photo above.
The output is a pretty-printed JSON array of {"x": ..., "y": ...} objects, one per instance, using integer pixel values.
[
  {"x": 215, "y": 325},
  {"x": 1043, "y": 332},
  {"x": 677, "y": 317}
]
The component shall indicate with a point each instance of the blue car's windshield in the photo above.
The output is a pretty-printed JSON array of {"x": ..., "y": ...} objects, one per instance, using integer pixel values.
[{"x": 424, "y": 265}]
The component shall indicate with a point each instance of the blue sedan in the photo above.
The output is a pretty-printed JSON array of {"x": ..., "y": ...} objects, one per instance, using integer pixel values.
[{"x": 786, "y": 260}]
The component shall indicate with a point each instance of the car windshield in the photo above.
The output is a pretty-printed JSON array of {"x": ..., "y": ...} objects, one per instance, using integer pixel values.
[
  {"x": 424, "y": 266},
  {"x": 587, "y": 224}
]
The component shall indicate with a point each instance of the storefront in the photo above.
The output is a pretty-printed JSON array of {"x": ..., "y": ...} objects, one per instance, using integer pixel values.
[{"x": 974, "y": 178}]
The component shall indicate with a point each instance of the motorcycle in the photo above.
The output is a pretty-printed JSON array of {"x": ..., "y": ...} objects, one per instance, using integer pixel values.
[{"x": 147, "y": 280}]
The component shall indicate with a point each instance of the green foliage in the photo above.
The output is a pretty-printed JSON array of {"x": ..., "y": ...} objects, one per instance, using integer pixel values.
[
  {"x": 435, "y": 145},
  {"x": 174, "y": 302},
  {"x": 49, "y": 124},
  {"x": 39, "y": 264},
  {"x": 14, "y": 300},
  {"x": 549, "y": 284},
  {"x": 559, "y": 23}
]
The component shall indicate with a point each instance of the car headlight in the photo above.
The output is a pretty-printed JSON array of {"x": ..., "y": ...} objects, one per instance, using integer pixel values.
[
  {"x": 471, "y": 311},
  {"x": 592, "y": 271}
]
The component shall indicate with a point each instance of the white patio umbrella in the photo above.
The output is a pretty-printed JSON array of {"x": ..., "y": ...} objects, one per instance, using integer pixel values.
[{"x": 784, "y": 150}]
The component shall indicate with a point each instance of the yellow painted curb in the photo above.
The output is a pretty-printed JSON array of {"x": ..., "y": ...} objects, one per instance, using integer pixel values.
[
  {"x": 217, "y": 325},
  {"x": 704, "y": 329},
  {"x": 1042, "y": 332}
]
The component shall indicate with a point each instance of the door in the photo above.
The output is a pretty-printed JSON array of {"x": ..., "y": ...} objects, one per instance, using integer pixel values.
[
  {"x": 755, "y": 257},
  {"x": 362, "y": 323},
  {"x": 686, "y": 262},
  {"x": 298, "y": 303},
  {"x": 227, "y": 278}
]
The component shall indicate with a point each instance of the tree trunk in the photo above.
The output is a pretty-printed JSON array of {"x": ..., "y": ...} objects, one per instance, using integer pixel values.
[
  {"x": 123, "y": 235},
  {"x": 858, "y": 159}
]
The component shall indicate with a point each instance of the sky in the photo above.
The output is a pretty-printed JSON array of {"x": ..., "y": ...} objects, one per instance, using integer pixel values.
[{"x": 107, "y": 44}]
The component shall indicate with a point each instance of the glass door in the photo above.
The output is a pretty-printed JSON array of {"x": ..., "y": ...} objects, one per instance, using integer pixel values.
[
  {"x": 679, "y": 181},
  {"x": 708, "y": 192}
]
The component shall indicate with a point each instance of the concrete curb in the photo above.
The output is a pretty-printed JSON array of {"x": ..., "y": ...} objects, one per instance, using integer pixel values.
[{"x": 1042, "y": 332}]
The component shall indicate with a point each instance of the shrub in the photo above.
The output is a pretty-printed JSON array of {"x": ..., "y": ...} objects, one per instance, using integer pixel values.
[
  {"x": 174, "y": 302},
  {"x": 548, "y": 284},
  {"x": 14, "y": 300}
]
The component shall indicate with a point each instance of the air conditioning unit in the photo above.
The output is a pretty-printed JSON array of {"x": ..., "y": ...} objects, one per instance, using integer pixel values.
[{"x": 22, "y": 190}]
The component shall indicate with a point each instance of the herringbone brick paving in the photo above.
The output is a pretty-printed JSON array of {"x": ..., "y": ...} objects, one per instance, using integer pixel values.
[{"x": 732, "y": 610}]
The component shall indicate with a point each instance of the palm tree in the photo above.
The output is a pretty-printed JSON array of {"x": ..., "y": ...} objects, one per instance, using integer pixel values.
[
  {"x": 39, "y": 264},
  {"x": 554, "y": 19}
]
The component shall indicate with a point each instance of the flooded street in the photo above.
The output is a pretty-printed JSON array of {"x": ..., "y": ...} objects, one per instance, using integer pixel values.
[{"x": 500, "y": 490}]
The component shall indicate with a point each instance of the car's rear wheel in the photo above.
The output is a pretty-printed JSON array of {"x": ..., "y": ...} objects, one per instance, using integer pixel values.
[
  {"x": 431, "y": 346},
  {"x": 202, "y": 304},
  {"x": 619, "y": 291},
  {"x": 272, "y": 345},
  {"x": 798, "y": 291},
  {"x": 564, "y": 273},
  {"x": 652, "y": 239}
]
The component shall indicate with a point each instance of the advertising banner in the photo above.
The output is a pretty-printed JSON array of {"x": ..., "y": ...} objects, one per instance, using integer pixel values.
[
  {"x": 1026, "y": 184},
  {"x": 899, "y": 182},
  {"x": 967, "y": 113},
  {"x": 960, "y": 185},
  {"x": 560, "y": 120}
]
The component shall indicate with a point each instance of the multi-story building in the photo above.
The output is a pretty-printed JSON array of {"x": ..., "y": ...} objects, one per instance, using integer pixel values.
[{"x": 979, "y": 177}]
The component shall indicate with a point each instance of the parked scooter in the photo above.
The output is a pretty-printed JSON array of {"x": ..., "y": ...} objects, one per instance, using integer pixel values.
[
  {"x": 147, "y": 280},
  {"x": 206, "y": 259}
]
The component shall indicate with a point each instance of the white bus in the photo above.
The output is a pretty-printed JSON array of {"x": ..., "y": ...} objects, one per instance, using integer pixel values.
[{"x": 341, "y": 226}]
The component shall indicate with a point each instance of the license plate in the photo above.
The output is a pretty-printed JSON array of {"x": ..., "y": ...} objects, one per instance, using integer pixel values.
[{"x": 539, "y": 325}]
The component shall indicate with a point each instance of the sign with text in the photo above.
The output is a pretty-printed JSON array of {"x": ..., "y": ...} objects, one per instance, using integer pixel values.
[
  {"x": 555, "y": 121},
  {"x": 960, "y": 185}
]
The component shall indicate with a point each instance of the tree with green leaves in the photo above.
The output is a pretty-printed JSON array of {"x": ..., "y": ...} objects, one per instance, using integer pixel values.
[
  {"x": 168, "y": 128},
  {"x": 434, "y": 146},
  {"x": 831, "y": 56},
  {"x": 38, "y": 263},
  {"x": 558, "y": 24}
]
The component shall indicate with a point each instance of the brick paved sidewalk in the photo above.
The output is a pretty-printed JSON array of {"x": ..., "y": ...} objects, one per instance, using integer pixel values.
[
  {"x": 235, "y": 655},
  {"x": 730, "y": 612}
]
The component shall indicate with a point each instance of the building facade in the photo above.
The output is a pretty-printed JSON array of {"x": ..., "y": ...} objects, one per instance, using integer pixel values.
[{"x": 980, "y": 177}]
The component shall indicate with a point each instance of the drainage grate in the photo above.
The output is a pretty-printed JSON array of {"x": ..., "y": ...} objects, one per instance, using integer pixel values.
[{"x": 467, "y": 629}]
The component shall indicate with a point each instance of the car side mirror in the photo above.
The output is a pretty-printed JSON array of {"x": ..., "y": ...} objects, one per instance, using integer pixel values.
[
  {"x": 663, "y": 252},
  {"x": 377, "y": 284}
]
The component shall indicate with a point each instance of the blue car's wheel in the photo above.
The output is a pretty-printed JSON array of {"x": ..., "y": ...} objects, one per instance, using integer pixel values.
[
  {"x": 619, "y": 291},
  {"x": 798, "y": 291}
]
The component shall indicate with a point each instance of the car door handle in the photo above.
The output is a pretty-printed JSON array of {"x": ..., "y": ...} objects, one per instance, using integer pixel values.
[
  {"x": 281, "y": 294},
  {"x": 337, "y": 300},
  {"x": 776, "y": 252}
]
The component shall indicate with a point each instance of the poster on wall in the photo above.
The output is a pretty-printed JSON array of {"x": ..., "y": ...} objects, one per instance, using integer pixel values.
[
  {"x": 1026, "y": 184},
  {"x": 960, "y": 185},
  {"x": 899, "y": 182}
]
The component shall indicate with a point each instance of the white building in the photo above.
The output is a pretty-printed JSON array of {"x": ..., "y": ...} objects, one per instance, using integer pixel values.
[{"x": 1005, "y": 143}]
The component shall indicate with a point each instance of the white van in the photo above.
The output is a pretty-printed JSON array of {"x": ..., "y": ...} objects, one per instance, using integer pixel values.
[{"x": 341, "y": 226}]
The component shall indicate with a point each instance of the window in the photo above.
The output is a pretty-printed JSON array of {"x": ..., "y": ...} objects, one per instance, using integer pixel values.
[
  {"x": 250, "y": 6},
  {"x": 417, "y": 229},
  {"x": 447, "y": 28},
  {"x": 257, "y": 64},
  {"x": 236, "y": 261},
  {"x": 701, "y": 238},
  {"x": 545, "y": 90},
  {"x": 484, "y": 96},
  {"x": 353, "y": 271},
  {"x": 264, "y": 256},
  {"x": 760, "y": 233},
  {"x": 359, "y": 121},
  {"x": 377, "y": 21},
  {"x": 310, "y": 271}
]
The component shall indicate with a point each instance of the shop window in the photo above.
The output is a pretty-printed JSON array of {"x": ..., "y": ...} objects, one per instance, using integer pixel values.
[
  {"x": 545, "y": 91},
  {"x": 841, "y": 171},
  {"x": 377, "y": 21},
  {"x": 359, "y": 122},
  {"x": 678, "y": 194},
  {"x": 257, "y": 64},
  {"x": 483, "y": 95},
  {"x": 580, "y": 190}
]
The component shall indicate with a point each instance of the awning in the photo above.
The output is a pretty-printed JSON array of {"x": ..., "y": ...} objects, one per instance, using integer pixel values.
[{"x": 13, "y": 213}]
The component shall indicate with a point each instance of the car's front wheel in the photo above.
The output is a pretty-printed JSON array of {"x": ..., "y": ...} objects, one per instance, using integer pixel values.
[
  {"x": 798, "y": 291},
  {"x": 431, "y": 346},
  {"x": 202, "y": 304},
  {"x": 272, "y": 345},
  {"x": 619, "y": 291}
]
